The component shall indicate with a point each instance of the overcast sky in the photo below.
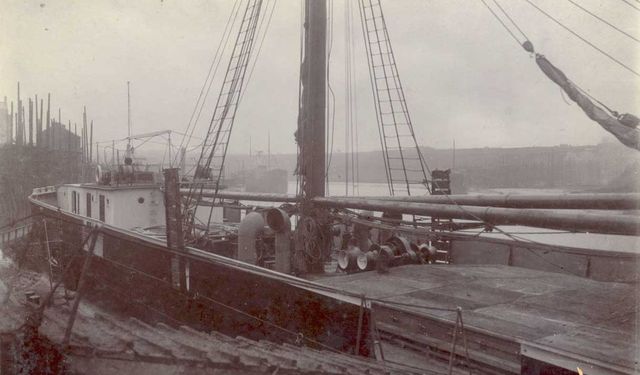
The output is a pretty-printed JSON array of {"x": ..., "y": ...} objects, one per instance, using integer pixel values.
[{"x": 464, "y": 77}]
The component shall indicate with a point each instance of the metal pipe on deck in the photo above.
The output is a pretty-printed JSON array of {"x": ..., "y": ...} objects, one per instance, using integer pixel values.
[{"x": 551, "y": 219}]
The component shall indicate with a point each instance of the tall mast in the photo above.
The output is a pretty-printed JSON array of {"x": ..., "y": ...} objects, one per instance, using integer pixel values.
[
  {"x": 128, "y": 121},
  {"x": 128, "y": 112},
  {"x": 311, "y": 120}
]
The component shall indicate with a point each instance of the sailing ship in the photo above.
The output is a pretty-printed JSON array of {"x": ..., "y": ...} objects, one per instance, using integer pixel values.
[{"x": 414, "y": 291}]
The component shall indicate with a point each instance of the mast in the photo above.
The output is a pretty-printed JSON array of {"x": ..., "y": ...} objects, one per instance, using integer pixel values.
[
  {"x": 129, "y": 153},
  {"x": 310, "y": 138},
  {"x": 128, "y": 112},
  {"x": 311, "y": 120}
]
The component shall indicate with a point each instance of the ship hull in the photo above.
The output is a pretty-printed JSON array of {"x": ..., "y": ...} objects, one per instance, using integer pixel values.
[{"x": 131, "y": 274}]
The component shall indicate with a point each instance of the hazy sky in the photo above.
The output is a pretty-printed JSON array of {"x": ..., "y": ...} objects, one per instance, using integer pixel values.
[{"x": 464, "y": 77}]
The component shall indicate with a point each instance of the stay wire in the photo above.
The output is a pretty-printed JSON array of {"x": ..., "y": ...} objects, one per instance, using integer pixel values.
[
  {"x": 511, "y": 19},
  {"x": 582, "y": 38},
  {"x": 604, "y": 21},
  {"x": 347, "y": 98},
  {"x": 264, "y": 34},
  {"x": 354, "y": 107},
  {"x": 631, "y": 5},
  {"x": 224, "y": 42},
  {"x": 502, "y": 23},
  {"x": 215, "y": 64},
  {"x": 331, "y": 100}
]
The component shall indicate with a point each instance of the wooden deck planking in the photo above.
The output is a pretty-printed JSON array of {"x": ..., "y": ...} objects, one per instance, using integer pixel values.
[
  {"x": 563, "y": 313},
  {"x": 613, "y": 347}
]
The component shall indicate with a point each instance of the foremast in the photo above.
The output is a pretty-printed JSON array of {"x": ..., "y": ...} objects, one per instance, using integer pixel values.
[{"x": 311, "y": 240}]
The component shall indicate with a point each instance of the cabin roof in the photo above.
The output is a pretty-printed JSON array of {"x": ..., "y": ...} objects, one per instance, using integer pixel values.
[{"x": 122, "y": 187}]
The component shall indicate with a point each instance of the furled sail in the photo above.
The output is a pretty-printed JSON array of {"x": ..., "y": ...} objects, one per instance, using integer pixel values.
[{"x": 623, "y": 127}]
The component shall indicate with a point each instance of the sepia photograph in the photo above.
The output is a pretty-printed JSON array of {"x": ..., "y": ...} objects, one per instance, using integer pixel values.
[{"x": 320, "y": 187}]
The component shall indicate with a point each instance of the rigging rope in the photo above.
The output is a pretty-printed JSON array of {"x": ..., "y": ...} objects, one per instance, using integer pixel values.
[
  {"x": 354, "y": 107},
  {"x": 631, "y": 5},
  {"x": 348, "y": 115},
  {"x": 582, "y": 38},
  {"x": 296, "y": 135},
  {"x": 603, "y": 20},
  {"x": 213, "y": 69},
  {"x": 331, "y": 102},
  {"x": 373, "y": 93},
  {"x": 502, "y": 23},
  {"x": 264, "y": 34},
  {"x": 510, "y": 19}
]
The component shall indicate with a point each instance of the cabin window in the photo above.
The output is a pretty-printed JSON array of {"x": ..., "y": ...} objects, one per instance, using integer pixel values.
[
  {"x": 101, "y": 208},
  {"x": 74, "y": 207},
  {"x": 88, "y": 204}
]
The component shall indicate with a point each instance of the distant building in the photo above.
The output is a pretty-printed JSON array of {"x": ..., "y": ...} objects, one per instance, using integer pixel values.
[{"x": 58, "y": 137}]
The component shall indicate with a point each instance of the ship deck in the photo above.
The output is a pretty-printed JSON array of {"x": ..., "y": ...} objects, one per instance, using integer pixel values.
[{"x": 508, "y": 312}]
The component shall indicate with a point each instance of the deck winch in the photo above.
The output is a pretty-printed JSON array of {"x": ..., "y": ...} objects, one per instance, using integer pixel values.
[{"x": 396, "y": 251}]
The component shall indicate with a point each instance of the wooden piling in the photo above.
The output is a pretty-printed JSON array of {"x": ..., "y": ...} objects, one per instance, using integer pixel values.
[
  {"x": 11, "y": 125},
  {"x": 48, "y": 137},
  {"x": 37, "y": 122},
  {"x": 84, "y": 134},
  {"x": 18, "y": 121},
  {"x": 23, "y": 131},
  {"x": 30, "y": 122},
  {"x": 40, "y": 125},
  {"x": 91, "y": 144},
  {"x": 6, "y": 103}
]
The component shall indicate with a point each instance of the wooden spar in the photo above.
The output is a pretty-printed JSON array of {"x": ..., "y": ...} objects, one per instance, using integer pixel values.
[
  {"x": 258, "y": 197},
  {"x": 311, "y": 126},
  {"x": 551, "y": 219},
  {"x": 543, "y": 218},
  {"x": 599, "y": 201},
  {"x": 590, "y": 201}
]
